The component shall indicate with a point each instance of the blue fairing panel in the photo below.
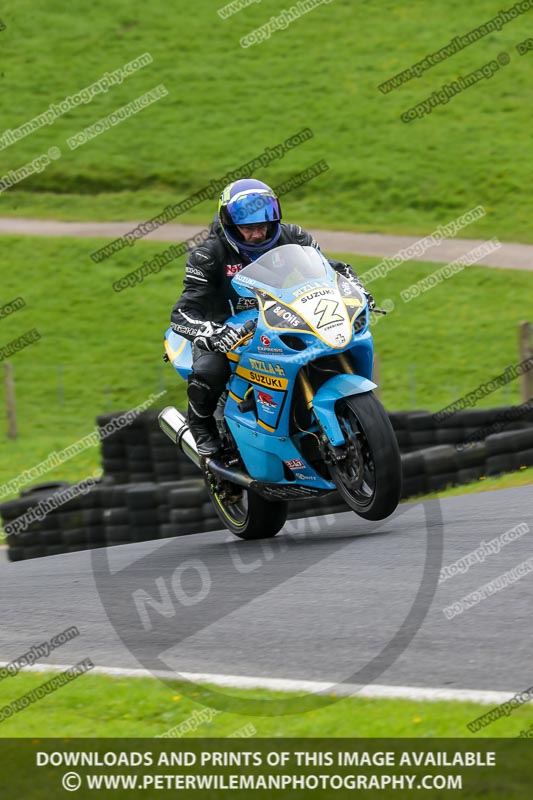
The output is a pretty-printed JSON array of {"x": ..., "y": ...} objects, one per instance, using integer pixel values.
[
  {"x": 179, "y": 352},
  {"x": 331, "y": 391}
]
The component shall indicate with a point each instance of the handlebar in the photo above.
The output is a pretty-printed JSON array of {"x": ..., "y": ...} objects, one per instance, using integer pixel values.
[{"x": 247, "y": 331}]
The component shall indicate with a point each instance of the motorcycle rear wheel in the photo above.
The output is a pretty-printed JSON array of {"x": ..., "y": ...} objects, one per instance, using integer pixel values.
[
  {"x": 369, "y": 479},
  {"x": 250, "y": 516}
]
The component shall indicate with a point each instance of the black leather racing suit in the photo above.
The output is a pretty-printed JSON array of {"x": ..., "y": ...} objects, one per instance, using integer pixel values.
[{"x": 208, "y": 296}]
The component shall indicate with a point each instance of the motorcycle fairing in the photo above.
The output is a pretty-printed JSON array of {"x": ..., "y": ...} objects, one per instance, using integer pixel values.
[
  {"x": 264, "y": 454},
  {"x": 268, "y": 365},
  {"x": 322, "y": 310},
  {"x": 324, "y": 401},
  {"x": 179, "y": 352}
]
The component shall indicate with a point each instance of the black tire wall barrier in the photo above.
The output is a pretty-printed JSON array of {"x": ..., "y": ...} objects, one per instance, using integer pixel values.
[{"x": 150, "y": 490}]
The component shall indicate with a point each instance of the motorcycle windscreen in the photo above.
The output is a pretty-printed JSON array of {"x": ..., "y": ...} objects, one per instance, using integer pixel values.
[
  {"x": 317, "y": 301},
  {"x": 285, "y": 266}
]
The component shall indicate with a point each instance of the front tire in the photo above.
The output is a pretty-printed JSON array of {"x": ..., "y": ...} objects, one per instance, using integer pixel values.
[
  {"x": 248, "y": 515},
  {"x": 369, "y": 479}
]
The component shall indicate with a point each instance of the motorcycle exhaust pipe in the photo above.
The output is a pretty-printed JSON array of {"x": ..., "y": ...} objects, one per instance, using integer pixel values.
[
  {"x": 175, "y": 426},
  {"x": 232, "y": 475}
]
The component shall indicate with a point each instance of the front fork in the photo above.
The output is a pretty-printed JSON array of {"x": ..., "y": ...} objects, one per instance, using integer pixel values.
[{"x": 331, "y": 454}]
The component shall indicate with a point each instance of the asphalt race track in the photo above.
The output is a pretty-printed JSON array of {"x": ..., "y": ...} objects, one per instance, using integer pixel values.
[{"x": 332, "y": 599}]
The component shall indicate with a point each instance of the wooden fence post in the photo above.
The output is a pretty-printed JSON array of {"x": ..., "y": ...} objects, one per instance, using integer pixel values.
[
  {"x": 10, "y": 401},
  {"x": 525, "y": 352}
]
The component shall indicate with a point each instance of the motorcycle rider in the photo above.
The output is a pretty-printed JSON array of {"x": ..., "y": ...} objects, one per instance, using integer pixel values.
[{"x": 247, "y": 226}]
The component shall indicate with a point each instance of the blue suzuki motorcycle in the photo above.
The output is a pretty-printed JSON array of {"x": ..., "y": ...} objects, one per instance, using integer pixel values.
[{"x": 299, "y": 417}]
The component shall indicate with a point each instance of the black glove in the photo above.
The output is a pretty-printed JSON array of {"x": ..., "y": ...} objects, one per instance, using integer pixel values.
[
  {"x": 370, "y": 300},
  {"x": 217, "y": 338},
  {"x": 348, "y": 273}
]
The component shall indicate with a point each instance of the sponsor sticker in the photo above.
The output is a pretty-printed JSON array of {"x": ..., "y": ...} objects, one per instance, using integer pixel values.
[
  {"x": 318, "y": 293},
  {"x": 303, "y": 477},
  {"x": 266, "y": 400},
  {"x": 308, "y": 287},
  {"x": 295, "y": 463},
  {"x": 233, "y": 269},
  {"x": 270, "y": 381},
  {"x": 266, "y": 366}
]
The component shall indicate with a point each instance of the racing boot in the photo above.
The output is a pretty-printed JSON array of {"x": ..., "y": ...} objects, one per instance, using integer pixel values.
[
  {"x": 204, "y": 430},
  {"x": 202, "y": 404}
]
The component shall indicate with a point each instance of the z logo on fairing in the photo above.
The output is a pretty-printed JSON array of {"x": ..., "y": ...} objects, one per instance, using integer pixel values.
[{"x": 327, "y": 311}]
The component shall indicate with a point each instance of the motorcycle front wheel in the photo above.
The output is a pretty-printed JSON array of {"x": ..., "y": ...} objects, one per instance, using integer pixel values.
[
  {"x": 369, "y": 478},
  {"x": 245, "y": 513}
]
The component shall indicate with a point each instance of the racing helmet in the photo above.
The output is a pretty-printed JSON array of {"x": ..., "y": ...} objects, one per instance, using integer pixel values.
[{"x": 246, "y": 202}]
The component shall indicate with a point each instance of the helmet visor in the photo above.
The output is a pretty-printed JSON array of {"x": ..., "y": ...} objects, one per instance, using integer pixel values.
[{"x": 254, "y": 207}]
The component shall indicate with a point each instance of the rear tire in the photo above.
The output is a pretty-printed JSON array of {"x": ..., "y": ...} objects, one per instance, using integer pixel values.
[
  {"x": 370, "y": 479},
  {"x": 250, "y": 517}
]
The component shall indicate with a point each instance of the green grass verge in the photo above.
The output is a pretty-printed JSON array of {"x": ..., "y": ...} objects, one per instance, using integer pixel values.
[
  {"x": 508, "y": 481},
  {"x": 99, "y": 706},
  {"x": 226, "y": 104},
  {"x": 102, "y": 351}
]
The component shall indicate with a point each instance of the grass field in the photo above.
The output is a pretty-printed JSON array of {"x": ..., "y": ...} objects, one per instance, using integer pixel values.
[
  {"x": 226, "y": 104},
  {"x": 102, "y": 350},
  {"x": 99, "y": 706},
  {"x": 523, "y": 477}
]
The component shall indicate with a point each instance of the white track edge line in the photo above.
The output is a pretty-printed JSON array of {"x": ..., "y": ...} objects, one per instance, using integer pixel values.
[{"x": 286, "y": 685}]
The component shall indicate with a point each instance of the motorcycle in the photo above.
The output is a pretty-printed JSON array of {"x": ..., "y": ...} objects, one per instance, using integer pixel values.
[{"x": 299, "y": 417}]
